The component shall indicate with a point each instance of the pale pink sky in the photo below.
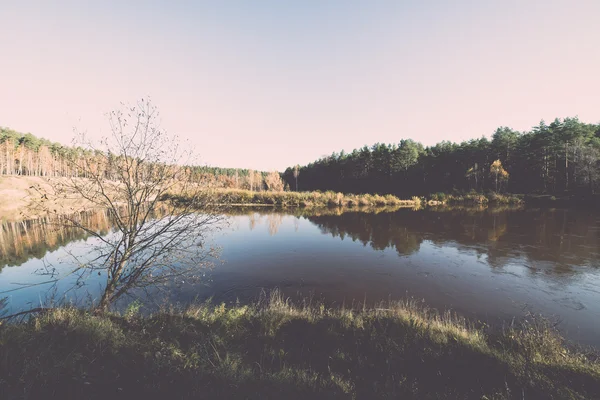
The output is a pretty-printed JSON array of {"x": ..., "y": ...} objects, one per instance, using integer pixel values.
[{"x": 268, "y": 84}]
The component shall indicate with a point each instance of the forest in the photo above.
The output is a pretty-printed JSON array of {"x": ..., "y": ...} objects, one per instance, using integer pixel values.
[
  {"x": 23, "y": 154},
  {"x": 562, "y": 157},
  {"x": 559, "y": 158}
]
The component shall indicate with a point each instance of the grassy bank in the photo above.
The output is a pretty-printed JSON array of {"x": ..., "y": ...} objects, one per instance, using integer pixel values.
[
  {"x": 565, "y": 200},
  {"x": 474, "y": 198},
  {"x": 302, "y": 199},
  {"x": 276, "y": 350},
  {"x": 235, "y": 197}
]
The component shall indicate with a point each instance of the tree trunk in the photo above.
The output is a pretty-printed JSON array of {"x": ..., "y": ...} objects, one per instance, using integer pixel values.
[
  {"x": 8, "y": 163},
  {"x": 111, "y": 285},
  {"x": 566, "y": 165},
  {"x": 105, "y": 300},
  {"x": 21, "y": 160}
]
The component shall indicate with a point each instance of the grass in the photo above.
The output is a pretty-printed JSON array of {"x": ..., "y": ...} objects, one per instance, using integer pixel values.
[
  {"x": 475, "y": 198},
  {"x": 329, "y": 199},
  {"x": 274, "y": 349},
  {"x": 237, "y": 197}
]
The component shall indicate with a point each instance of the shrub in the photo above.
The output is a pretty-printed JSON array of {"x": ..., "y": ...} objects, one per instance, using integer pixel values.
[{"x": 439, "y": 196}]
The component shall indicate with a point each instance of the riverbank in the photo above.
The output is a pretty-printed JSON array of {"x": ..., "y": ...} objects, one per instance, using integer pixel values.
[
  {"x": 237, "y": 197},
  {"x": 478, "y": 199},
  {"x": 273, "y": 349},
  {"x": 565, "y": 200},
  {"x": 17, "y": 193}
]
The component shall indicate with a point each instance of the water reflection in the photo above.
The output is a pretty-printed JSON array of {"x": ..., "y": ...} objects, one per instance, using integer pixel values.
[
  {"x": 273, "y": 221},
  {"x": 551, "y": 241},
  {"x": 21, "y": 241},
  {"x": 484, "y": 263},
  {"x": 554, "y": 241},
  {"x": 480, "y": 262}
]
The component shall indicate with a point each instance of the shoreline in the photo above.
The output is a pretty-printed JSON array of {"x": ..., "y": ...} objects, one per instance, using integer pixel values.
[
  {"x": 15, "y": 191},
  {"x": 273, "y": 348}
]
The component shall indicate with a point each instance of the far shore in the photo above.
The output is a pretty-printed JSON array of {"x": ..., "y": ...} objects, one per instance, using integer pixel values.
[{"x": 17, "y": 194}]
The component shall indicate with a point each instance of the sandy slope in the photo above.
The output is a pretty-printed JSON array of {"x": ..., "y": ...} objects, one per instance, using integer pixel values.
[
  {"x": 17, "y": 197},
  {"x": 16, "y": 194}
]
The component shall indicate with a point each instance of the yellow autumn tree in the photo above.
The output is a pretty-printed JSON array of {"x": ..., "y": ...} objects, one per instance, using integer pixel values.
[
  {"x": 274, "y": 182},
  {"x": 499, "y": 172}
]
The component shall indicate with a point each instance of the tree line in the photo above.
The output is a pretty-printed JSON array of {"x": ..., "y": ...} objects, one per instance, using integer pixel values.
[
  {"x": 28, "y": 155},
  {"x": 23, "y": 154},
  {"x": 241, "y": 178},
  {"x": 563, "y": 156}
]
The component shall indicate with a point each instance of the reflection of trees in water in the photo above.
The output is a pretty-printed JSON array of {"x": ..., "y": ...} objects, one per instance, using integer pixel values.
[
  {"x": 553, "y": 241},
  {"x": 296, "y": 224},
  {"x": 23, "y": 240},
  {"x": 274, "y": 221},
  {"x": 253, "y": 220},
  {"x": 303, "y": 212},
  {"x": 377, "y": 230}
]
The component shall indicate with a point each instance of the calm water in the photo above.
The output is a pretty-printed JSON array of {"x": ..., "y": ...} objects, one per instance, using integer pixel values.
[{"x": 488, "y": 264}]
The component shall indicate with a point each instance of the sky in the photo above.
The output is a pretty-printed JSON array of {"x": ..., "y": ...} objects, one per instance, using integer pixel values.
[{"x": 270, "y": 84}]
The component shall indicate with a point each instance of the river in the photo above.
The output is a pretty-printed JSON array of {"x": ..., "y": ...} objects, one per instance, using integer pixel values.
[{"x": 492, "y": 265}]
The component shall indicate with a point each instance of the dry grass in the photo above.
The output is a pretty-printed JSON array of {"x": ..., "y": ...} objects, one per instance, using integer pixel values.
[
  {"x": 302, "y": 199},
  {"x": 275, "y": 349}
]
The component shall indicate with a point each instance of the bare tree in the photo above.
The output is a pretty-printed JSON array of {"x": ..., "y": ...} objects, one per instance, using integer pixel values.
[{"x": 158, "y": 237}]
